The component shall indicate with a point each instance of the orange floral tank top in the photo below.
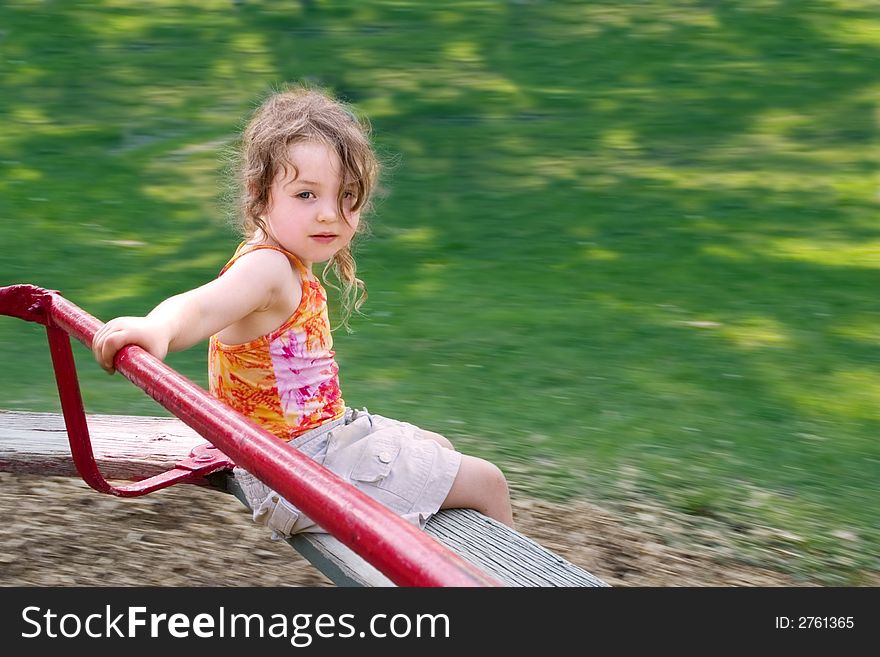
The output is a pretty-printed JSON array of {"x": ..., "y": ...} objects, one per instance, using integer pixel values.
[{"x": 286, "y": 381}]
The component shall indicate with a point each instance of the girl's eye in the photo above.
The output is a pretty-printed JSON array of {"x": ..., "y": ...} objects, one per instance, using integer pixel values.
[{"x": 304, "y": 195}]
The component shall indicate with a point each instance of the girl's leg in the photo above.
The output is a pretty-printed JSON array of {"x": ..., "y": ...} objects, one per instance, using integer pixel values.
[{"x": 480, "y": 485}]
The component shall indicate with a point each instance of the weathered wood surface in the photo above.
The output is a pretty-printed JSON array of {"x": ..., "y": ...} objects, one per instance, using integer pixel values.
[
  {"x": 500, "y": 551},
  {"x": 133, "y": 448},
  {"x": 125, "y": 447},
  {"x": 510, "y": 557}
]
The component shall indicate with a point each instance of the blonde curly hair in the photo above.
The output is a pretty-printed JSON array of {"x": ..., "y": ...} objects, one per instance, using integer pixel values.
[{"x": 301, "y": 114}]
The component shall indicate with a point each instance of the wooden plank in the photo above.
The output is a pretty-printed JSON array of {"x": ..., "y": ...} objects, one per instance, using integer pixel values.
[
  {"x": 131, "y": 447},
  {"x": 511, "y": 557},
  {"x": 342, "y": 565},
  {"x": 504, "y": 553},
  {"x": 125, "y": 447}
]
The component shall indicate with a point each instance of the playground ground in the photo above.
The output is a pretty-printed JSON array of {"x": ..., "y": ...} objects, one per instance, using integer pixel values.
[{"x": 58, "y": 532}]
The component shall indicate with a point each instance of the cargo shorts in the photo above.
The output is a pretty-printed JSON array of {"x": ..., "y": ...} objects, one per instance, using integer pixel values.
[{"x": 394, "y": 462}]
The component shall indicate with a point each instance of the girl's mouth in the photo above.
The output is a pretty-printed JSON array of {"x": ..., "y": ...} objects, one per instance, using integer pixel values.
[{"x": 324, "y": 237}]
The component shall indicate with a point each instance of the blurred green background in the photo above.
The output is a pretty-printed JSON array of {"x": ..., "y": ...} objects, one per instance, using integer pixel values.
[{"x": 625, "y": 250}]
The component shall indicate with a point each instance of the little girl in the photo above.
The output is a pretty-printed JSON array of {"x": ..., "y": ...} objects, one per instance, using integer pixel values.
[{"x": 307, "y": 173}]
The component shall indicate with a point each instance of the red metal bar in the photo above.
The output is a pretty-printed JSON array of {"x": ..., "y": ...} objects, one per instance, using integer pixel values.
[
  {"x": 72, "y": 407},
  {"x": 202, "y": 461},
  {"x": 402, "y": 552}
]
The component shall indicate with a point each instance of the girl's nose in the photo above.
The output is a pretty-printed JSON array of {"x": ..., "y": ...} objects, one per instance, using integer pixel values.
[{"x": 328, "y": 211}]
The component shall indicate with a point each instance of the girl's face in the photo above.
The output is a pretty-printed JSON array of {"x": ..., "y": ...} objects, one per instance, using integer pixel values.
[{"x": 303, "y": 215}]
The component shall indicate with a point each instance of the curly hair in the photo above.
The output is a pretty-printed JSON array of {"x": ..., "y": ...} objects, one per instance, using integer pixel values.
[{"x": 303, "y": 114}]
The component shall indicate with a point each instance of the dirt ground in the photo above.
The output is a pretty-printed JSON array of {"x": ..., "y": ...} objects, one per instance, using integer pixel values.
[{"x": 58, "y": 532}]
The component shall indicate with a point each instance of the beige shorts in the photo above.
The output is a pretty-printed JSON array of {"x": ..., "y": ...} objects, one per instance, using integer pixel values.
[{"x": 393, "y": 462}]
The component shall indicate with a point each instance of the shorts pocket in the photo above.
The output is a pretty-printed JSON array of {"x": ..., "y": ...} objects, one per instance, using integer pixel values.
[
  {"x": 268, "y": 507},
  {"x": 276, "y": 513},
  {"x": 378, "y": 458}
]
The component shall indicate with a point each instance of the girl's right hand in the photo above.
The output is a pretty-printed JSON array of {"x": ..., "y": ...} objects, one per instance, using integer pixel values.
[{"x": 145, "y": 332}]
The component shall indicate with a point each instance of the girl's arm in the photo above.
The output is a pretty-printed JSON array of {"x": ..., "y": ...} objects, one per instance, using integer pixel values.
[{"x": 254, "y": 283}]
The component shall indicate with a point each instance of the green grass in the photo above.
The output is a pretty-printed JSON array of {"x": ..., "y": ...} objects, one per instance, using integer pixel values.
[{"x": 625, "y": 249}]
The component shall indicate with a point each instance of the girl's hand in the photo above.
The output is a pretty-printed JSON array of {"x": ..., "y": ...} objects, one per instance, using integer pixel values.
[{"x": 145, "y": 332}]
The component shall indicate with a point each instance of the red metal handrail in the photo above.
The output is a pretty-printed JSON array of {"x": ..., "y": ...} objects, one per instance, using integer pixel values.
[{"x": 399, "y": 550}]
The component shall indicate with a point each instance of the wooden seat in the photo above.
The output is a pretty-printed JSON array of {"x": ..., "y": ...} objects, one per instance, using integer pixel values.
[{"x": 134, "y": 447}]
